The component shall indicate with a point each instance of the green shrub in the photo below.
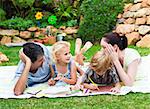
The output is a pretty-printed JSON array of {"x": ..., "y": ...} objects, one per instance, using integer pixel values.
[
  {"x": 128, "y": 1},
  {"x": 2, "y": 14},
  {"x": 99, "y": 17},
  {"x": 16, "y": 23},
  {"x": 23, "y": 3},
  {"x": 67, "y": 10}
]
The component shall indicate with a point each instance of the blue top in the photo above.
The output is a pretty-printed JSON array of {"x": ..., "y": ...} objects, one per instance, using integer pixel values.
[
  {"x": 43, "y": 72},
  {"x": 66, "y": 75}
]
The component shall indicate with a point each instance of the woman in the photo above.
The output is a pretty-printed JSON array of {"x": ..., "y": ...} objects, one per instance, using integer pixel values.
[{"x": 126, "y": 60}]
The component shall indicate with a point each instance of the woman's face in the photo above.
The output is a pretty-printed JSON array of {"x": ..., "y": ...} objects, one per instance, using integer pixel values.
[{"x": 104, "y": 44}]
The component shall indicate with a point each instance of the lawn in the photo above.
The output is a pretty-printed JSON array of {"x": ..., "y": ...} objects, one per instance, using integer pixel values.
[{"x": 129, "y": 101}]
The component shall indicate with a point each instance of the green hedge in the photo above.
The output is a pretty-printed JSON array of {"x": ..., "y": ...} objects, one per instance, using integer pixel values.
[
  {"x": 66, "y": 11},
  {"x": 2, "y": 14},
  {"x": 99, "y": 17},
  {"x": 16, "y": 23}
]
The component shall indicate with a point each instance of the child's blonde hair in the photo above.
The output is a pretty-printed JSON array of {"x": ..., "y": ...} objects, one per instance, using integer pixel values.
[
  {"x": 57, "y": 47},
  {"x": 101, "y": 62}
]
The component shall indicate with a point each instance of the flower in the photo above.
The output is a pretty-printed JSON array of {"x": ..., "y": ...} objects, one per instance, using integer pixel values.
[
  {"x": 52, "y": 19},
  {"x": 38, "y": 15}
]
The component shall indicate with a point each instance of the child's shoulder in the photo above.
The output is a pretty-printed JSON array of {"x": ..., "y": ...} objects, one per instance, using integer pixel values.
[{"x": 72, "y": 62}]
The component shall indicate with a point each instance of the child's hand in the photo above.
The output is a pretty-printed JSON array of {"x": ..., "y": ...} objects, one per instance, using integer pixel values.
[
  {"x": 91, "y": 86},
  {"x": 115, "y": 89},
  {"x": 58, "y": 78},
  {"x": 51, "y": 82},
  {"x": 94, "y": 87},
  {"x": 78, "y": 86}
]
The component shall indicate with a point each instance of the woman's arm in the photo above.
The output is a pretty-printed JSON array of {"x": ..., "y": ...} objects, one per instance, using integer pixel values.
[
  {"x": 21, "y": 83},
  {"x": 127, "y": 77}
]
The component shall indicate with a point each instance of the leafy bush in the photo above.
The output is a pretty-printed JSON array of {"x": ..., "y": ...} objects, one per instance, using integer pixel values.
[
  {"x": 23, "y": 3},
  {"x": 128, "y": 1},
  {"x": 2, "y": 14},
  {"x": 71, "y": 23},
  {"x": 99, "y": 17},
  {"x": 16, "y": 23},
  {"x": 20, "y": 8},
  {"x": 67, "y": 10}
]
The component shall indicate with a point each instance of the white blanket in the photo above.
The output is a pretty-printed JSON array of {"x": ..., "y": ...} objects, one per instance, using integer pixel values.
[{"x": 43, "y": 90}]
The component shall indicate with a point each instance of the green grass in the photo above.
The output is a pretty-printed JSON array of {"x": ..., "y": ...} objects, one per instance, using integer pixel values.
[
  {"x": 12, "y": 54},
  {"x": 129, "y": 101}
]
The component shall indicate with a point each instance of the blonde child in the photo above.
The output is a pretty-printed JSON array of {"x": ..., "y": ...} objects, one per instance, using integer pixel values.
[
  {"x": 63, "y": 71},
  {"x": 101, "y": 71}
]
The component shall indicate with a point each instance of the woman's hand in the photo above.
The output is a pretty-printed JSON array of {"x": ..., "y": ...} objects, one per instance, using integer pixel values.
[
  {"x": 111, "y": 51},
  {"x": 77, "y": 87},
  {"x": 23, "y": 57},
  {"x": 115, "y": 89}
]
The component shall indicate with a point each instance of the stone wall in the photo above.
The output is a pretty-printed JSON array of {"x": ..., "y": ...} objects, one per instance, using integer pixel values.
[
  {"x": 134, "y": 22},
  {"x": 43, "y": 35}
]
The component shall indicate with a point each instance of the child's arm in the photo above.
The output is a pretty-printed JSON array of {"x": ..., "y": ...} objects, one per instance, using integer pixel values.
[
  {"x": 81, "y": 86},
  {"x": 116, "y": 88},
  {"x": 73, "y": 75},
  {"x": 51, "y": 81},
  {"x": 80, "y": 70}
]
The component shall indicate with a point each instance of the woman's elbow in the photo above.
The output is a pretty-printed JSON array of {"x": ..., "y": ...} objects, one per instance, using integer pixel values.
[{"x": 129, "y": 83}]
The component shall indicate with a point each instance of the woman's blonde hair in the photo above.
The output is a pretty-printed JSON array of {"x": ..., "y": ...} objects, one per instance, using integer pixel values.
[
  {"x": 57, "y": 47},
  {"x": 101, "y": 62}
]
